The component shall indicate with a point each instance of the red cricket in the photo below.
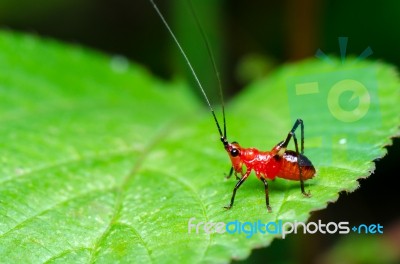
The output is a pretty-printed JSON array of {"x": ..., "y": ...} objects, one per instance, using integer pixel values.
[{"x": 278, "y": 162}]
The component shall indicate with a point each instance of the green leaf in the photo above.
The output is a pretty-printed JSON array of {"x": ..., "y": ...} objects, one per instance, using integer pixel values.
[{"x": 100, "y": 162}]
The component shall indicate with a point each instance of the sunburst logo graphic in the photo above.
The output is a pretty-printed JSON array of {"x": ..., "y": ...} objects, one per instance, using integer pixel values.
[
  {"x": 342, "y": 92},
  {"x": 343, "y": 52},
  {"x": 358, "y": 90}
]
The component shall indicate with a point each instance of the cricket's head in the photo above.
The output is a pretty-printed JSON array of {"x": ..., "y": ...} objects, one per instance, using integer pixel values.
[{"x": 234, "y": 150}]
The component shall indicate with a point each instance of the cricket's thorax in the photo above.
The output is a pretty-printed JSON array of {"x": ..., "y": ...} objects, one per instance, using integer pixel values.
[{"x": 262, "y": 162}]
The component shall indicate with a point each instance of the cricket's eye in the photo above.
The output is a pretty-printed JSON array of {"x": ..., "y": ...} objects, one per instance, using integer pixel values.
[{"x": 234, "y": 152}]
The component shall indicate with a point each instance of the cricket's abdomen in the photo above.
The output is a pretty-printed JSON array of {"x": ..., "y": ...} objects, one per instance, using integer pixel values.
[{"x": 290, "y": 169}]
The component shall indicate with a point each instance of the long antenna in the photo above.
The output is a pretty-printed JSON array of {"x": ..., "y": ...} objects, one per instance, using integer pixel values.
[
  {"x": 223, "y": 136},
  {"x": 212, "y": 57}
]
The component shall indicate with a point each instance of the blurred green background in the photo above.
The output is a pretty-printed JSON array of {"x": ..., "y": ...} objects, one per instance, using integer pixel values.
[{"x": 249, "y": 39}]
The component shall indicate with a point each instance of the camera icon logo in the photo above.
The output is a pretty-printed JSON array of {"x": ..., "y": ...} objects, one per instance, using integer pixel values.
[{"x": 343, "y": 95}]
